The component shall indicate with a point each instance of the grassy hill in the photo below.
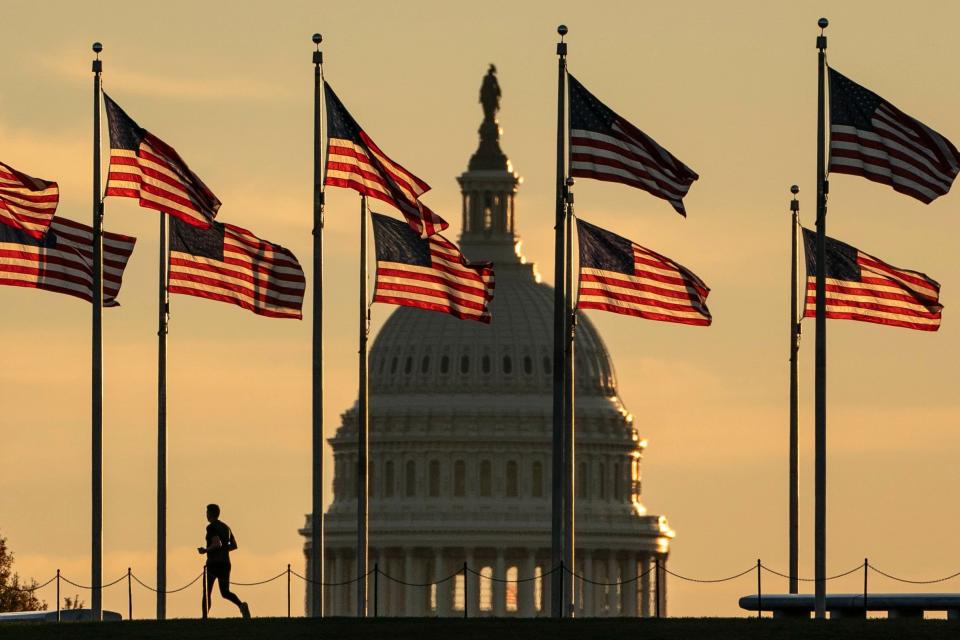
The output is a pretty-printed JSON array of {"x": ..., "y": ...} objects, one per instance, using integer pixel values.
[{"x": 486, "y": 629}]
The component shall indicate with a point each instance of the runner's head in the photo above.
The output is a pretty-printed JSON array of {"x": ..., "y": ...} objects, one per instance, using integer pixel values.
[{"x": 213, "y": 512}]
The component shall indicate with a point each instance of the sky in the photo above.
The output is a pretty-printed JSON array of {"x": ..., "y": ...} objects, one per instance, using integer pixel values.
[{"x": 730, "y": 88}]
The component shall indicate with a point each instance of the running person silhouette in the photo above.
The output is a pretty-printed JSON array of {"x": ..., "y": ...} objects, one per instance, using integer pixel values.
[{"x": 220, "y": 542}]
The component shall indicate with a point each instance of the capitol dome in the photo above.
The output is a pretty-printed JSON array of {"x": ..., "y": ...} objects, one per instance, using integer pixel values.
[{"x": 460, "y": 422}]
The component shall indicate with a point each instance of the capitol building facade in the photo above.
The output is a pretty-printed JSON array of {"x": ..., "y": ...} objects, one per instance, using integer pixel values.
[{"x": 460, "y": 448}]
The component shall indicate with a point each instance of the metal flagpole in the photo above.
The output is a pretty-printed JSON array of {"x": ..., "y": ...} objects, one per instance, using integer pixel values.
[
  {"x": 362, "y": 423},
  {"x": 794, "y": 348},
  {"x": 559, "y": 308},
  {"x": 315, "y": 586},
  {"x": 163, "y": 314},
  {"x": 569, "y": 422},
  {"x": 820, "y": 383},
  {"x": 96, "y": 552}
]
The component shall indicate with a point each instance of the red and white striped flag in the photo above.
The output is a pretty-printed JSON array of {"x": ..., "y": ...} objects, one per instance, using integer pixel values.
[
  {"x": 27, "y": 203},
  {"x": 620, "y": 276},
  {"x": 354, "y": 161},
  {"x": 861, "y": 287},
  {"x": 429, "y": 273},
  {"x": 144, "y": 167},
  {"x": 604, "y": 146},
  {"x": 62, "y": 261},
  {"x": 870, "y": 137},
  {"x": 229, "y": 264}
]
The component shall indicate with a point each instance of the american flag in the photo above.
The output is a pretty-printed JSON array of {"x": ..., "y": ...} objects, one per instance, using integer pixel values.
[
  {"x": 429, "y": 273},
  {"x": 26, "y": 203},
  {"x": 604, "y": 146},
  {"x": 354, "y": 161},
  {"x": 62, "y": 261},
  {"x": 870, "y": 137},
  {"x": 621, "y": 276},
  {"x": 861, "y": 287},
  {"x": 143, "y": 166},
  {"x": 230, "y": 264}
]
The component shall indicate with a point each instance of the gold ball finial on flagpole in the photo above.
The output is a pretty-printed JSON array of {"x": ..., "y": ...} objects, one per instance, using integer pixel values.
[{"x": 794, "y": 189}]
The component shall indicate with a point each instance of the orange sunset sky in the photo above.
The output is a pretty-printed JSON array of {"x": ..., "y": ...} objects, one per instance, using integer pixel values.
[{"x": 730, "y": 88}]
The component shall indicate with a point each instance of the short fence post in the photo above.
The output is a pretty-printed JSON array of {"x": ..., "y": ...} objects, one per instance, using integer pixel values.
[
  {"x": 866, "y": 570},
  {"x": 466, "y": 592},
  {"x": 288, "y": 589},
  {"x": 656, "y": 586},
  {"x": 129, "y": 596},
  {"x": 759, "y": 592},
  {"x": 376, "y": 587},
  {"x": 58, "y": 595},
  {"x": 203, "y": 585}
]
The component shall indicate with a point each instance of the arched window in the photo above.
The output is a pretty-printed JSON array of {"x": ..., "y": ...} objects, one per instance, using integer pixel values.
[
  {"x": 485, "y": 364},
  {"x": 512, "y": 479},
  {"x": 528, "y": 365},
  {"x": 465, "y": 364},
  {"x": 408, "y": 365},
  {"x": 411, "y": 479},
  {"x": 537, "y": 480},
  {"x": 425, "y": 364},
  {"x": 486, "y": 479},
  {"x": 459, "y": 596},
  {"x": 388, "y": 479},
  {"x": 538, "y": 588},
  {"x": 383, "y": 363},
  {"x": 486, "y": 589},
  {"x": 459, "y": 478},
  {"x": 602, "y": 484},
  {"x": 444, "y": 364},
  {"x": 434, "y": 478},
  {"x": 512, "y": 589},
  {"x": 393, "y": 365},
  {"x": 507, "y": 365}
]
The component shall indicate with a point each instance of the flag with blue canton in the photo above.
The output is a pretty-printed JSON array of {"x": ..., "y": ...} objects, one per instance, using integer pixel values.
[
  {"x": 429, "y": 273},
  {"x": 144, "y": 167},
  {"x": 870, "y": 137},
  {"x": 354, "y": 161},
  {"x": 862, "y": 287},
  {"x": 229, "y": 264},
  {"x": 604, "y": 146},
  {"x": 27, "y": 203},
  {"x": 620, "y": 276}
]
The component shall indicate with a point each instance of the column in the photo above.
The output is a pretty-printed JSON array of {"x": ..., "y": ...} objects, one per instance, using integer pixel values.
[
  {"x": 599, "y": 574},
  {"x": 472, "y": 585},
  {"x": 613, "y": 575},
  {"x": 330, "y": 606},
  {"x": 525, "y": 589},
  {"x": 588, "y": 589},
  {"x": 409, "y": 593},
  {"x": 443, "y": 588},
  {"x": 646, "y": 580},
  {"x": 629, "y": 594},
  {"x": 663, "y": 586},
  {"x": 499, "y": 587}
]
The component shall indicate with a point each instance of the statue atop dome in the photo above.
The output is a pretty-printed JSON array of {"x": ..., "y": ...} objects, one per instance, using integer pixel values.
[{"x": 489, "y": 156}]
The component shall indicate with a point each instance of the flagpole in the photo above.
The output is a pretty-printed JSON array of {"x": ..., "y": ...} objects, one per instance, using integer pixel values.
[
  {"x": 163, "y": 311},
  {"x": 794, "y": 348},
  {"x": 362, "y": 423},
  {"x": 820, "y": 383},
  {"x": 315, "y": 586},
  {"x": 559, "y": 309},
  {"x": 569, "y": 427},
  {"x": 96, "y": 552}
]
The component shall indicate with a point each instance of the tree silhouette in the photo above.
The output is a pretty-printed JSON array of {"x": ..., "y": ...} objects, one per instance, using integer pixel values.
[{"x": 14, "y": 595}]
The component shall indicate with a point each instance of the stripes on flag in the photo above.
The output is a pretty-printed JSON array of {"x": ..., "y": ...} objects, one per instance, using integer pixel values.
[
  {"x": 229, "y": 264},
  {"x": 354, "y": 161},
  {"x": 604, "y": 146},
  {"x": 870, "y": 137},
  {"x": 27, "y": 203},
  {"x": 144, "y": 167},
  {"x": 62, "y": 261},
  {"x": 620, "y": 276},
  {"x": 429, "y": 273},
  {"x": 861, "y": 287}
]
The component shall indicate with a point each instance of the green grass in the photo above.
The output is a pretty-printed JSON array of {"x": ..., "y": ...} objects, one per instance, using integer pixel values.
[{"x": 487, "y": 629}]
